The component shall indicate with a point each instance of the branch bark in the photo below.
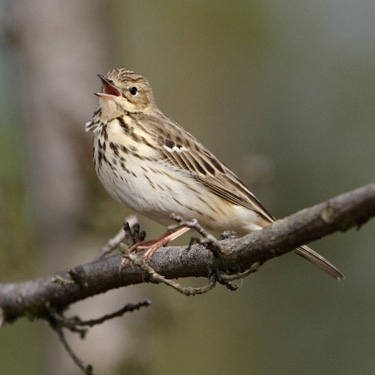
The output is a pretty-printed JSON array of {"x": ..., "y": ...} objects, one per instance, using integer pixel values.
[{"x": 35, "y": 298}]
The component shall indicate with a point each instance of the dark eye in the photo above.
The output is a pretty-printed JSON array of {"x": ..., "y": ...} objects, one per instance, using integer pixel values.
[{"x": 133, "y": 90}]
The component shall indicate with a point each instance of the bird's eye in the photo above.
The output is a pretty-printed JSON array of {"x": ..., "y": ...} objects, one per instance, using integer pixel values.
[{"x": 133, "y": 90}]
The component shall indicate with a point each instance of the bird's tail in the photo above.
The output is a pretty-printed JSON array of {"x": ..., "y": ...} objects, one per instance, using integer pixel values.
[{"x": 318, "y": 260}]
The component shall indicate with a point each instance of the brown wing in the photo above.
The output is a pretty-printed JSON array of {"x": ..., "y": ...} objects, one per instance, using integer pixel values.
[{"x": 181, "y": 149}]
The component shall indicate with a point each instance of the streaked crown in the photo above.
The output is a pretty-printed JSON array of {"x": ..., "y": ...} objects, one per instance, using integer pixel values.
[{"x": 125, "y": 91}]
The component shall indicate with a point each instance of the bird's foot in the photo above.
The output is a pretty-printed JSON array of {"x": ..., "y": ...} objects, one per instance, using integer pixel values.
[{"x": 153, "y": 245}]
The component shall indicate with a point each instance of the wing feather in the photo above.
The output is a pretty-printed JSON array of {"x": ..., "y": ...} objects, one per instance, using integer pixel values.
[{"x": 184, "y": 151}]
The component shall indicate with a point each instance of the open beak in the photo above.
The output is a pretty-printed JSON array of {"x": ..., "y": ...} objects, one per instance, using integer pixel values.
[{"x": 109, "y": 88}]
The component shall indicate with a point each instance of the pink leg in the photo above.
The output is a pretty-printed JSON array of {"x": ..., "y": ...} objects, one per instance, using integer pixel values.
[{"x": 154, "y": 245}]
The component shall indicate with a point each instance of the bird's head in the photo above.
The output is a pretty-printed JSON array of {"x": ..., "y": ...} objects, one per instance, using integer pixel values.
[{"x": 124, "y": 91}]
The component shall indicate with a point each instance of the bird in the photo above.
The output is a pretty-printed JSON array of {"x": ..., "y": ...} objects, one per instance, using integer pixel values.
[{"x": 150, "y": 163}]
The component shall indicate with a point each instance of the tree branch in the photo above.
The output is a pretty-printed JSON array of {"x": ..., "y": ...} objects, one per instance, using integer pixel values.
[{"x": 35, "y": 298}]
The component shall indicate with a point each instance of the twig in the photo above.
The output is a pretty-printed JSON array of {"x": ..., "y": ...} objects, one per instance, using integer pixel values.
[
  {"x": 226, "y": 279},
  {"x": 58, "y": 321},
  {"x": 73, "y": 322},
  {"x": 208, "y": 239},
  {"x": 157, "y": 278},
  {"x": 113, "y": 242},
  {"x": 240, "y": 275},
  {"x": 88, "y": 370}
]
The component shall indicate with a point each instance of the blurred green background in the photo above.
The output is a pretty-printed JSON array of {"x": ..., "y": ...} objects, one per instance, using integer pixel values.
[{"x": 282, "y": 91}]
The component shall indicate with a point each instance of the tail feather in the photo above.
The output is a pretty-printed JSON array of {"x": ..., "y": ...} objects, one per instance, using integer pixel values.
[{"x": 318, "y": 260}]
